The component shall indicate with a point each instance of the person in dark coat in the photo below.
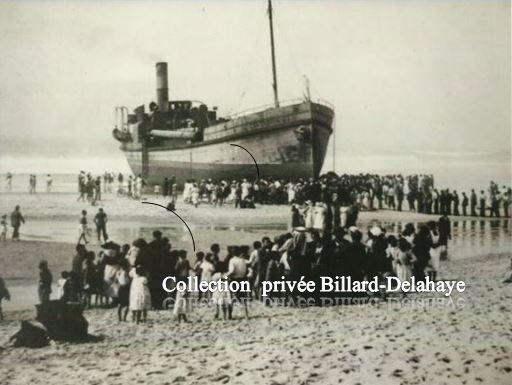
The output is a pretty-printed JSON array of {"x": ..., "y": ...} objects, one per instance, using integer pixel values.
[
  {"x": 455, "y": 200},
  {"x": 421, "y": 250},
  {"x": 182, "y": 266},
  {"x": 445, "y": 232},
  {"x": 100, "y": 220},
  {"x": 356, "y": 255},
  {"x": 297, "y": 219},
  {"x": 165, "y": 187},
  {"x": 45, "y": 282},
  {"x": 473, "y": 203},
  {"x": 483, "y": 203},
  {"x": 157, "y": 252},
  {"x": 16, "y": 221},
  {"x": 215, "y": 250},
  {"x": 465, "y": 202},
  {"x": 4, "y": 294}
]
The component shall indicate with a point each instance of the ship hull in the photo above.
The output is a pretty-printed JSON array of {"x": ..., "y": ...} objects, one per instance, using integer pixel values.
[{"x": 288, "y": 142}]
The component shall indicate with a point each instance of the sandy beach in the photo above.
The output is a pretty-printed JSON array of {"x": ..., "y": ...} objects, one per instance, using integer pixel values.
[{"x": 462, "y": 340}]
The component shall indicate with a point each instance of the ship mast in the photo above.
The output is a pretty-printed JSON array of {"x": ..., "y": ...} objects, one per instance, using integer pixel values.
[{"x": 274, "y": 77}]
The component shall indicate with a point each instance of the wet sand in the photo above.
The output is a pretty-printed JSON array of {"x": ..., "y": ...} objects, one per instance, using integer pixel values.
[{"x": 51, "y": 231}]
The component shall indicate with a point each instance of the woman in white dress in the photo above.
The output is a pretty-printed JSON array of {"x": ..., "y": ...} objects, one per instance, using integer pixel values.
[
  {"x": 392, "y": 252},
  {"x": 140, "y": 297},
  {"x": 290, "y": 188},
  {"x": 195, "y": 195},
  {"x": 187, "y": 191},
  {"x": 435, "y": 250},
  {"x": 207, "y": 270},
  {"x": 343, "y": 216},
  {"x": 404, "y": 260},
  {"x": 366, "y": 200},
  {"x": 309, "y": 215}
]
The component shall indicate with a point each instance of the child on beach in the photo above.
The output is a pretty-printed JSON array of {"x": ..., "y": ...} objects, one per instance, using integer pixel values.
[
  {"x": 140, "y": 297},
  {"x": 222, "y": 299},
  {"x": 435, "y": 251},
  {"x": 392, "y": 251},
  {"x": 404, "y": 260},
  {"x": 182, "y": 305},
  {"x": 3, "y": 230},
  {"x": 123, "y": 295},
  {"x": 156, "y": 190},
  {"x": 4, "y": 294}
]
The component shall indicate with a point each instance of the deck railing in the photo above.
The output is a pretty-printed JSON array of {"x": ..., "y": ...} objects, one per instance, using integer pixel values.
[{"x": 283, "y": 103}]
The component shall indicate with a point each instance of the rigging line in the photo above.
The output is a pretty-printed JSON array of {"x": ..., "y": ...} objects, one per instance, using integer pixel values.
[
  {"x": 174, "y": 212},
  {"x": 255, "y": 163},
  {"x": 250, "y": 69},
  {"x": 300, "y": 72},
  {"x": 286, "y": 41}
]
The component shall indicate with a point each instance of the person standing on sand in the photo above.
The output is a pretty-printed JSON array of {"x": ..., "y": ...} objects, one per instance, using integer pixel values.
[
  {"x": 16, "y": 221},
  {"x": 122, "y": 279},
  {"x": 140, "y": 297},
  {"x": 445, "y": 233},
  {"x": 4, "y": 294},
  {"x": 455, "y": 199},
  {"x": 421, "y": 250},
  {"x": 156, "y": 190},
  {"x": 81, "y": 187},
  {"x": 237, "y": 271},
  {"x": 435, "y": 250},
  {"x": 507, "y": 195},
  {"x": 173, "y": 189},
  {"x": 465, "y": 202},
  {"x": 207, "y": 271},
  {"x": 32, "y": 184},
  {"x": 49, "y": 182},
  {"x": 97, "y": 189},
  {"x": 483, "y": 202},
  {"x": 82, "y": 228},
  {"x": 182, "y": 305},
  {"x": 473, "y": 202},
  {"x": 100, "y": 220},
  {"x": 45, "y": 282},
  {"x": 89, "y": 278},
  {"x": 405, "y": 261},
  {"x": 78, "y": 260},
  {"x": 182, "y": 267},
  {"x": 8, "y": 181}
]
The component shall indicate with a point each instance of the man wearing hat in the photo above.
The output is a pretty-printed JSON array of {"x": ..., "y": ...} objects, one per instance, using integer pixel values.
[{"x": 100, "y": 220}]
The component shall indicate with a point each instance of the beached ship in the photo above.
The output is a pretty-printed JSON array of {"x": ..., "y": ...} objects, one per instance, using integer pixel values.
[{"x": 186, "y": 139}]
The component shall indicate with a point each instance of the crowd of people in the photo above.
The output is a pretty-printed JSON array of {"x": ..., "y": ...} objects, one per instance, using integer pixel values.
[
  {"x": 90, "y": 187},
  {"x": 130, "y": 276},
  {"x": 366, "y": 191}
]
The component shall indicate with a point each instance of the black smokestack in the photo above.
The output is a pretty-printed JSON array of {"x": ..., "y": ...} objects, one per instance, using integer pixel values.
[{"x": 162, "y": 88}]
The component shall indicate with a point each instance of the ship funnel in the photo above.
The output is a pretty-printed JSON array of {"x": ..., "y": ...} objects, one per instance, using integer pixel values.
[{"x": 162, "y": 88}]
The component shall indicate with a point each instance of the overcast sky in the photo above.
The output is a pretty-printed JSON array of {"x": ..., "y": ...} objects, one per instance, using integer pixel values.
[{"x": 404, "y": 76}]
